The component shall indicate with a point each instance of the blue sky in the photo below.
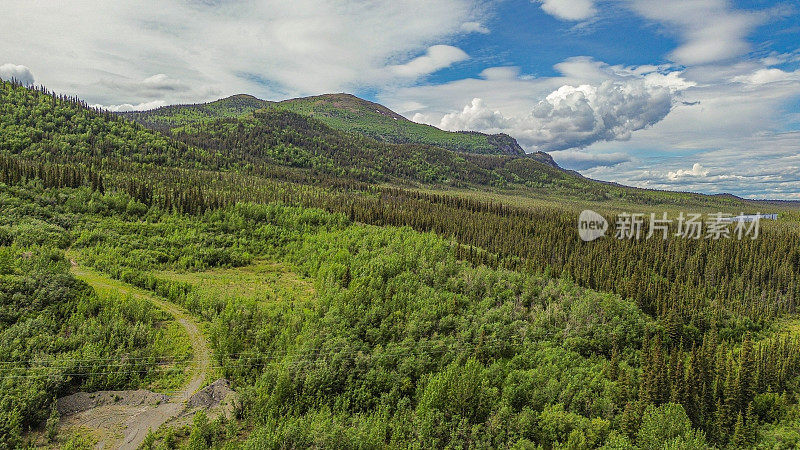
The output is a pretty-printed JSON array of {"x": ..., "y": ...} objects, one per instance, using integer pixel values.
[{"x": 698, "y": 95}]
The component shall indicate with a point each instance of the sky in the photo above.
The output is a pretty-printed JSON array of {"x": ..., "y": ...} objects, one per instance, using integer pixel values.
[{"x": 689, "y": 95}]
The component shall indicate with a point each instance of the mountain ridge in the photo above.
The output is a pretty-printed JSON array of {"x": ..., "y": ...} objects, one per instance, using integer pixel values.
[{"x": 341, "y": 111}]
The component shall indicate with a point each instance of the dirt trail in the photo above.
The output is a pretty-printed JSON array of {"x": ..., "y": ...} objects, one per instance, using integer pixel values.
[{"x": 134, "y": 421}]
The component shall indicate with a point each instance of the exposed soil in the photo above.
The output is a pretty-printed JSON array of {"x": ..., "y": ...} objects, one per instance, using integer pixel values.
[{"x": 122, "y": 419}]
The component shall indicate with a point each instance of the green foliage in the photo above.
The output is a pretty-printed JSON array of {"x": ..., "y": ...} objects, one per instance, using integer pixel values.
[
  {"x": 345, "y": 112},
  {"x": 37, "y": 124},
  {"x": 434, "y": 319},
  {"x": 58, "y": 336},
  {"x": 173, "y": 116},
  {"x": 459, "y": 396},
  {"x": 51, "y": 427},
  {"x": 668, "y": 427},
  {"x": 79, "y": 442}
]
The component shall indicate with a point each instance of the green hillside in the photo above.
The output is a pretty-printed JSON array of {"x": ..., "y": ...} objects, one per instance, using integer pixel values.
[
  {"x": 42, "y": 126},
  {"x": 343, "y": 112},
  {"x": 289, "y": 139},
  {"x": 172, "y": 116},
  {"x": 417, "y": 297},
  {"x": 349, "y": 113}
]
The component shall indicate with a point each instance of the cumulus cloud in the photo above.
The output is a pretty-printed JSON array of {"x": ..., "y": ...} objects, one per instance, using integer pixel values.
[
  {"x": 474, "y": 27},
  {"x": 436, "y": 58},
  {"x": 576, "y": 116},
  {"x": 697, "y": 170},
  {"x": 573, "y": 116},
  {"x": 572, "y": 10},
  {"x": 583, "y": 160},
  {"x": 22, "y": 74},
  {"x": 475, "y": 116},
  {"x": 729, "y": 124}
]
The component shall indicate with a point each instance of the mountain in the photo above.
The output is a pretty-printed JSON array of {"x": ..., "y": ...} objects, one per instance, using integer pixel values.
[
  {"x": 168, "y": 117},
  {"x": 343, "y": 112},
  {"x": 347, "y": 112},
  {"x": 281, "y": 137},
  {"x": 232, "y": 135}
]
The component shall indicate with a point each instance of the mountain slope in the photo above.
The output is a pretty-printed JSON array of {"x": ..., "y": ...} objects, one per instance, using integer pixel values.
[
  {"x": 286, "y": 138},
  {"x": 347, "y": 112},
  {"x": 343, "y": 112},
  {"x": 44, "y": 128},
  {"x": 172, "y": 116}
]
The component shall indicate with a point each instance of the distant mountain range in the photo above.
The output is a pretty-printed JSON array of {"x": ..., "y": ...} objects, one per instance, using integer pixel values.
[
  {"x": 343, "y": 112},
  {"x": 330, "y": 138}
]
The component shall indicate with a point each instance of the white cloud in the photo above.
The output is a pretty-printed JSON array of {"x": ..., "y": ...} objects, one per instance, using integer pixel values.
[
  {"x": 572, "y": 10},
  {"x": 500, "y": 73},
  {"x": 271, "y": 48},
  {"x": 162, "y": 82},
  {"x": 730, "y": 126},
  {"x": 583, "y": 160},
  {"x": 22, "y": 74},
  {"x": 761, "y": 166},
  {"x": 475, "y": 116},
  {"x": 771, "y": 75},
  {"x": 710, "y": 30},
  {"x": 729, "y": 117},
  {"x": 577, "y": 116},
  {"x": 436, "y": 58},
  {"x": 571, "y": 116},
  {"x": 474, "y": 27},
  {"x": 126, "y": 107},
  {"x": 697, "y": 170},
  {"x": 156, "y": 86},
  {"x": 725, "y": 117}
]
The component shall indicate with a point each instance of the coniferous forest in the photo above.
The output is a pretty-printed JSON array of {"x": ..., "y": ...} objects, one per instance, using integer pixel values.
[{"x": 369, "y": 293}]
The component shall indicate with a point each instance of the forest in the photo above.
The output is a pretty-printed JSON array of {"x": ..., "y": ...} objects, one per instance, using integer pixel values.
[{"x": 432, "y": 317}]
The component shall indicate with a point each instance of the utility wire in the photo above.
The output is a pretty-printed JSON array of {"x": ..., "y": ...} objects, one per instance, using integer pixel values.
[
  {"x": 239, "y": 355},
  {"x": 258, "y": 361}
]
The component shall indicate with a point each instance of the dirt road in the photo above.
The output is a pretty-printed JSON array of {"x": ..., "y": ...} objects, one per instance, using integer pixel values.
[{"x": 131, "y": 423}]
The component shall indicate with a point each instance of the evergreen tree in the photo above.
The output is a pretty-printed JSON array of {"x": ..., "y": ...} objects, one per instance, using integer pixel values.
[{"x": 747, "y": 369}]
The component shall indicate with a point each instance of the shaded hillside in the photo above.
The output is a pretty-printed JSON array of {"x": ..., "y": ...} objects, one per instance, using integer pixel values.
[
  {"x": 285, "y": 138},
  {"x": 343, "y": 112},
  {"x": 349, "y": 113},
  {"x": 168, "y": 117},
  {"x": 41, "y": 125}
]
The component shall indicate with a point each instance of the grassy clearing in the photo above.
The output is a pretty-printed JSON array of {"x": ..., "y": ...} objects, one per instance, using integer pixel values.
[
  {"x": 262, "y": 281},
  {"x": 788, "y": 325},
  {"x": 172, "y": 341}
]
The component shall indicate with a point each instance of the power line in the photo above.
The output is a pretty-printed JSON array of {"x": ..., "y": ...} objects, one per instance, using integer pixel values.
[
  {"x": 263, "y": 360},
  {"x": 239, "y": 355}
]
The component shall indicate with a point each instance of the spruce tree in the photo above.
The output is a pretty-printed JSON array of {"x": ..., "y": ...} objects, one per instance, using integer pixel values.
[{"x": 747, "y": 368}]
